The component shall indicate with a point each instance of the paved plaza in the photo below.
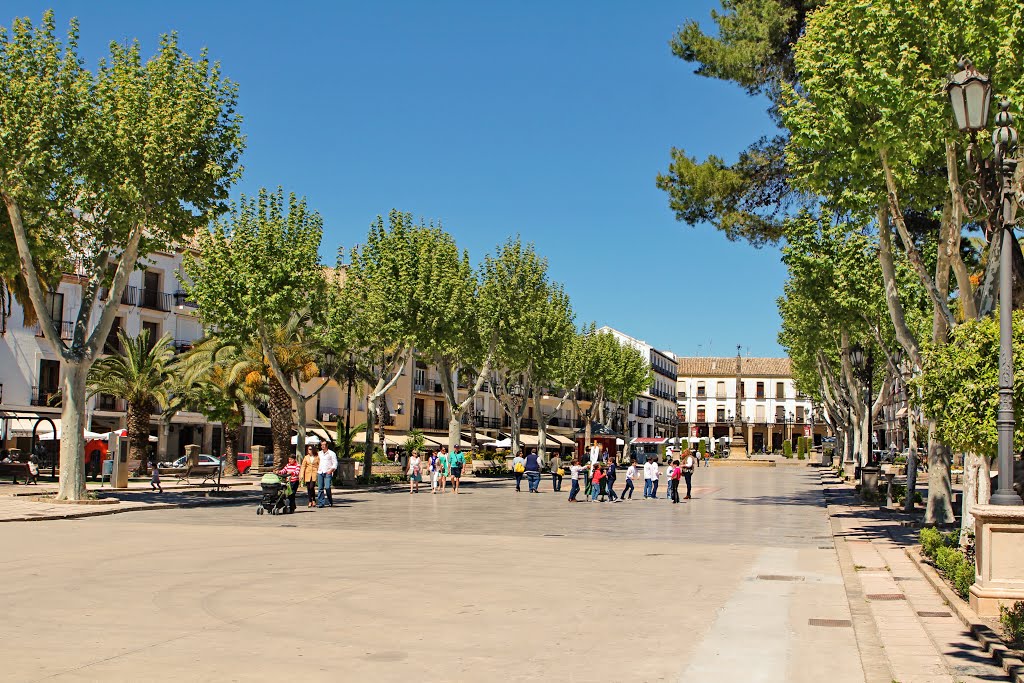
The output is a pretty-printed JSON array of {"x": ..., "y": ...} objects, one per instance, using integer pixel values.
[{"x": 742, "y": 583}]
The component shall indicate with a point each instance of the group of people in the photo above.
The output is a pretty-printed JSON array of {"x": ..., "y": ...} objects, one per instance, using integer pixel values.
[
  {"x": 316, "y": 473},
  {"x": 444, "y": 467},
  {"x": 599, "y": 478}
]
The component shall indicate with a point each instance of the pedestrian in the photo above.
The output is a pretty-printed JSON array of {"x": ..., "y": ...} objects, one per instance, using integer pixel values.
[
  {"x": 609, "y": 480},
  {"x": 444, "y": 467},
  {"x": 688, "y": 464},
  {"x": 630, "y": 476},
  {"x": 596, "y": 480},
  {"x": 574, "y": 480},
  {"x": 325, "y": 475},
  {"x": 154, "y": 482},
  {"x": 668, "y": 478},
  {"x": 595, "y": 453},
  {"x": 707, "y": 460},
  {"x": 414, "y": 473},
  {"x": 458, "y": 460},
  {"x": 519, "y": 469},
  {"x": 290, "y": 472},
  {"x": 648, "y": 477},
  {"x": 556, "y": 472},
  {"x": 604, "y": 455},
  {"x": 434, "y": 465},
  {"x": 588, "y": 471},
  {"x": 655, "y": 476},
  {"x": 533, "y": 471},
  {"x": 676, "y": 474},
  {"x": 33, "y": 469},
  {"x": 307, "y": 474}
]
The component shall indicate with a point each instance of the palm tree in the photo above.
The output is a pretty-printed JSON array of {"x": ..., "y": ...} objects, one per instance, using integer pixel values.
[
  {"x": 141, "y": 374},
  {"x": 220, "y": 380}
]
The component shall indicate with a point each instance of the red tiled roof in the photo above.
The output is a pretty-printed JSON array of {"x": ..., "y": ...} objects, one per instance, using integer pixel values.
[{"x": 726, "y": 367}]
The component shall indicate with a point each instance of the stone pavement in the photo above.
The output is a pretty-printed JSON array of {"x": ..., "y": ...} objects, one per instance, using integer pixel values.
[
  {"x": 919, "y": 639},
  {"x": 743, "y": 583}
]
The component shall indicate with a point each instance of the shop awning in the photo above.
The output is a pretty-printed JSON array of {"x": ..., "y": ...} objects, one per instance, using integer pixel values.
[
  {"x": 23, "y": 425},
  {"x": 649, "y": 441}
]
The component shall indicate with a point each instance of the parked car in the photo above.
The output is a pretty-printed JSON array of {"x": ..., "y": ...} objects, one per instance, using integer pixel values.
[
  {"x": 244, "y": 461},
  {"x": 203, "y": 460}
]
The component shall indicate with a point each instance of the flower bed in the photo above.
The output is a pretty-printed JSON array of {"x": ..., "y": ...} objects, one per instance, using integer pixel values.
[{"x": 945, "y": 553}]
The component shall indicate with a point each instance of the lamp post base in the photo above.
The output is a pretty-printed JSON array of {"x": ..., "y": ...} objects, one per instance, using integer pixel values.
[{"x": 998, "y": 558}]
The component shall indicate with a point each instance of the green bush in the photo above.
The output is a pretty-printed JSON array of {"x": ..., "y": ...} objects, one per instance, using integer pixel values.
[
  {"x": 933, "y": 539},
  {"x": 955, "y": 566},
  {"x": 702, "y": 447},
  {"x": 801, "y": 448},
  {"x": 1012, "y": 619},
  {"x": 963, "y": 577},
  {"x": 787, "y": 449}
]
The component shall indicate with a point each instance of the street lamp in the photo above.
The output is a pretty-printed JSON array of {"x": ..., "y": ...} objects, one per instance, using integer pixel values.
[
  {"x": 991, "y": 195},
  {"x": 864, "y": 364}
]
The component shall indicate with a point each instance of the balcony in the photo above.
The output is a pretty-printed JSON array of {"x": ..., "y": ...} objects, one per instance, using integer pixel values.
[
  {"x": 156, "y": 300},
  {"x": 643, "y": 412},
  {"x": 432, "y": 422},
  {"x": 66, "y": 327},
  {"x": 111, "y": 403},
  {"x": 180, "y": 299},
  {"x": 482, "y": 421},
  {"x": 129, "y": 297},
  {"x": 528, "y": 423},
  {"x": 42, "y": 397},
  {"x": 428, "y": 386}
]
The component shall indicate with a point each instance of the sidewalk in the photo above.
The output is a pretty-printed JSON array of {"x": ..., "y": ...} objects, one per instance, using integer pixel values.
[
  {"x": 21, "y": 503},
  {"x": 905, "y": 631}
]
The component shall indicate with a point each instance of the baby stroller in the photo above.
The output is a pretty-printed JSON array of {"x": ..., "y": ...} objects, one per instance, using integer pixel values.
[{"x": 275, "y": 495}]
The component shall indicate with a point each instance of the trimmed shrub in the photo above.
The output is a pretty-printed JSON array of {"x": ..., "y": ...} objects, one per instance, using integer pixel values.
[
  {"x": 933, "y": 539},
  {"x": 787, "y": 449},
  {"x": 1012, "y": 619},
  {"x": 963, "y": 577},
  {"x": 702, "y": 447}
]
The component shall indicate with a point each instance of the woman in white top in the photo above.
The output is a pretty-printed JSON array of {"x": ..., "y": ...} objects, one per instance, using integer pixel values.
[
  {"x": 655, "y": 475},
  {"x": 630, "y": 476},
  {"x": 415, "y": 473},
  {"x": 574, "y": 476}
]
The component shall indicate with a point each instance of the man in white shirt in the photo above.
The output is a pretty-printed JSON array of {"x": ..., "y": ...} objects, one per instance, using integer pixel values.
[
  {"x": 689, "y": 462},
  {"x": 325, "y": 475},
  {"x": 595, "y": 453},
  {"x": 647, "y": 477},
  {"x": 655, "y": 475}
]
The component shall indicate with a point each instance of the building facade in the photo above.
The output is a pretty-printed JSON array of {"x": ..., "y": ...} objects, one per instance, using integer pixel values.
[
  {"x": 755, "y": 397},
  {"x": 652, "y": 414}
]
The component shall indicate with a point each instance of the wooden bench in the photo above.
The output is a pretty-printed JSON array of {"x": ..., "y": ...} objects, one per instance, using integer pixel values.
[
  {"x": 14, "y": 470},
  {"x": 204, "y": 473}
]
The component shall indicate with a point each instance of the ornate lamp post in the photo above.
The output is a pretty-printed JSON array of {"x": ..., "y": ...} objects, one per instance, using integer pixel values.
[{"x": 991, "y": 196}]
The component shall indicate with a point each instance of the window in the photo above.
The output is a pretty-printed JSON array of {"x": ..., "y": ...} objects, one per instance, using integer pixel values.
[
  {"x": 799, "y": 413},
  {"x": 49, "y": 381},
  {"x": 721, "y": 415},
  {"x": 113, "y": 344},
  {"x": 55, "y": 306},
  {"x": 701, "y": 414},
  {"x": 417, "y": 413},
  {"x": 701, "y": 391},
  {"x": 438, "y": 414},
  {"x": 151, "y": 290},
  {"x": 780, "y": 390},
  {"x": 760, "y": 390},
  {"x": 780, "y": 414},
  {"x": 650, "y": 431},
  {"x": 759, "y": 413},
  {"x": 720, "y": 390},
  {"x": 154, "y": 332}
]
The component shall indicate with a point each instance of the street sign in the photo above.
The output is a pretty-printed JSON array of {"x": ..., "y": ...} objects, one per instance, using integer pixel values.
[{"x": 807, "y": 430}]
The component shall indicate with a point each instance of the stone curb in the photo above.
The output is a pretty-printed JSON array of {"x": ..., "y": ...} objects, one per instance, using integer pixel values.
[
  {"x": 115, "y": 510},
  {"x": 980, "y": 631}
]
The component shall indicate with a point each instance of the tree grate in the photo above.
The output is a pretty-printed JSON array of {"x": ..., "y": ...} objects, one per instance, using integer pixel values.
[
  {"x": 886, "y": 596},
  {"x": 778, "y": 577},
  {"x": 826, "y": 547},
  {"x": 835, "y": 623},
  {"x": 934, "y": 614}
]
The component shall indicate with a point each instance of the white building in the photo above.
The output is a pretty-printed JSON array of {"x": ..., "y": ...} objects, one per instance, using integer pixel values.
[
  {"x": 652, "y": 414},
  {"x": 31, "y": 372},
  {"x": 755, "y": 397}
]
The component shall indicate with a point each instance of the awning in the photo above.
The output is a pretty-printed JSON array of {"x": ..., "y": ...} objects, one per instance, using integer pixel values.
[
  {"x": 560, "y": 440},
  {"x": 390, "y": 440},
  {"x": 480, "y": 438},
  {"x": 649, "y": 441},
  {"x": 902, "y": 412},
  {"x": 310, "y": 439},
  {"x": 88, "y": 435},
  {"x": 324, "y": 434},
  {"x": 22, "y": 426}
]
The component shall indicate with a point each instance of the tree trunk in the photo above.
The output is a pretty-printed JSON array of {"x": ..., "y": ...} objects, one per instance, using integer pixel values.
[
  {"x": 280, "y": 421},
  {"x": 970, "y": 499},
  {"x": 72, "y": 464},
  {"x": 371, "y": 415},
  {"x": 908, "y": 505},
  {"x": 515, "y": 428},
  {"x": 300, "y": 420},
  {"x": 940, "y": 490},
  {"x": 138, "y": 436},
  {"x": 454, "y": 430},
  {"x": 984, "y": 480},
  {"x": 472, "y": 425},
  {"x": 232, "y": 435},
  {"x": 382, "y": 412}
]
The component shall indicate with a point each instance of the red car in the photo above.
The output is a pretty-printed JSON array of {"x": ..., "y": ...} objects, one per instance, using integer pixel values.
[{"x": 244, "y": 462}]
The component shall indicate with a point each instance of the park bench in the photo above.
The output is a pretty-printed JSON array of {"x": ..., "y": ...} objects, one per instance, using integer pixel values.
[
  {"x": 203, "y": 473},
  {"x": 14, "y": 470}
]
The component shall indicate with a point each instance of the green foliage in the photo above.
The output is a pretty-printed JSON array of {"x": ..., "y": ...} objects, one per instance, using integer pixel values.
[
  {"x": 787, "y": 449},
  {"x": 957, "y": 569},
  {"x": 140, "y": 374},
  {"x": 415, "y": 442},
  {"x": 702, "y": 447},
  {"x": 258, "y": 265},
  {"x": 1012, "y": 619},
  {"x": 801, "y": 448},
  {"x": 959, "y": 385},
  {"x": 932, "y": 540}
]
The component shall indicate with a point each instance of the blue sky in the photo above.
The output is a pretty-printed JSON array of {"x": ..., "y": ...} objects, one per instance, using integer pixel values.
[{"x": 547, "y": 119}]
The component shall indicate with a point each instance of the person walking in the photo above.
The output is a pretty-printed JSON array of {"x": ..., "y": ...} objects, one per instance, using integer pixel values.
[
  {"x": 325, "y": 475},
  {"x": 444, "y": 467},
  {"x": 595, "y": 453},
  {"x": 154, "y": 482},
  {"x": 688, "y": 464},
  {"x": 630, "y": 476},
  {"x": 655, "y": 476},
  {"x": 533, "y": 471},
  {"x": 675, "y": 474},
  {"x": 519, "y": 469},
  {"x": 290, "y": 472},
  {"x": 307, "y": 474},
  {"x": 668, "y": 478},
  {"x": 458, "y": 461},
  {"x": 555, "y": 465},
  {"x": 574, "y": 480},
  {"x": 596, "y": 480},
  {"x": 414, "y": 473},
  {"x": 434, "y": 464},
  {"x": 611, "y": 475},
  {"x": 648, "y": 476}
]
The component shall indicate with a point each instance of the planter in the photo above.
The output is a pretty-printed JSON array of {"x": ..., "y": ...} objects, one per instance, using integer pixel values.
[{"x": 87, "y": 501}]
